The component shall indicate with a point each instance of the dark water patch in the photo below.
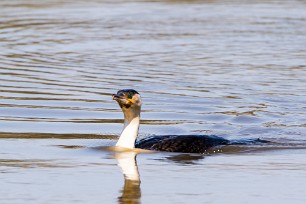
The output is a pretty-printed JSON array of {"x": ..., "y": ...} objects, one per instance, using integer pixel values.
[
  {"x": 26, "y": 135},
  {"x": 71, "y": 146},
  {"x": 31, "y": 164}
]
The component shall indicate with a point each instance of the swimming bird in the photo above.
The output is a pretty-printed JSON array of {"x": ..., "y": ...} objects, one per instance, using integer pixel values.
[{"x": 130, "y": 103}]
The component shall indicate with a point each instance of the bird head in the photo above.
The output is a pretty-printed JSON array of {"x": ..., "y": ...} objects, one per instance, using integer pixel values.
[{"x": 128, "y": 99}]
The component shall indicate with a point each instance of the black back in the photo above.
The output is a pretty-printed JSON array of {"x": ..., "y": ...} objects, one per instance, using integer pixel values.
[{"x": 181, "y": 143}]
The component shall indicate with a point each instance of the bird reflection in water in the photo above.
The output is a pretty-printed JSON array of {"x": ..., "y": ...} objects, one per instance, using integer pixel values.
[{"x": 131, "y": 192}]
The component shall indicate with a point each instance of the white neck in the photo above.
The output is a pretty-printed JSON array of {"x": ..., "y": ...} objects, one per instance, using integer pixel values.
[{"x": 130, "y": 131}]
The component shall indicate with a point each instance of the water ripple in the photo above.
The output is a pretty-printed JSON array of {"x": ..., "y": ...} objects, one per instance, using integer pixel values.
[{"x": 224, "y": 73}]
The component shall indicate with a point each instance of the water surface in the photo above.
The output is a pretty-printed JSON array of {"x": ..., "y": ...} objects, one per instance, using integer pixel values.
[{"x": 230, "y": 68}]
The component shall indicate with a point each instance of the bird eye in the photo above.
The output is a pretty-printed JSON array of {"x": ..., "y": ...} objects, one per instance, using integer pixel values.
[{"x": 130, "y": 95}]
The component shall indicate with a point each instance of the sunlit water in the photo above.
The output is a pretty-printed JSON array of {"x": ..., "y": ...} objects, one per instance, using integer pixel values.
[{"x": 235, "y": 69}]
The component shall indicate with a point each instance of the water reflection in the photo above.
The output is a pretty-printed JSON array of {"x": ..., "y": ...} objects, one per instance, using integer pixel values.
[
  {"x": 187, "y": 159},
  {"x": 131, "y": 192}
]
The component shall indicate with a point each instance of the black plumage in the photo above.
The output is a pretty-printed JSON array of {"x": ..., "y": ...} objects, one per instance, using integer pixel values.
[{"x": 181, "y": 143}]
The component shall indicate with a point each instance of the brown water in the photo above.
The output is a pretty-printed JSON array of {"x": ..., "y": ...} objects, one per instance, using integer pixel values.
[{"x": 236, "y": 69}]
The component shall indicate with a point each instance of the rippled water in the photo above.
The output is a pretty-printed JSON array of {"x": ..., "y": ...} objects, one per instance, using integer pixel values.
[{"x": 230, "y": 68}]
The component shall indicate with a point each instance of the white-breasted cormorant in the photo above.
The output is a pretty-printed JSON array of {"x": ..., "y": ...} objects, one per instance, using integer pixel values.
[{"x": 130, "y": 102}]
